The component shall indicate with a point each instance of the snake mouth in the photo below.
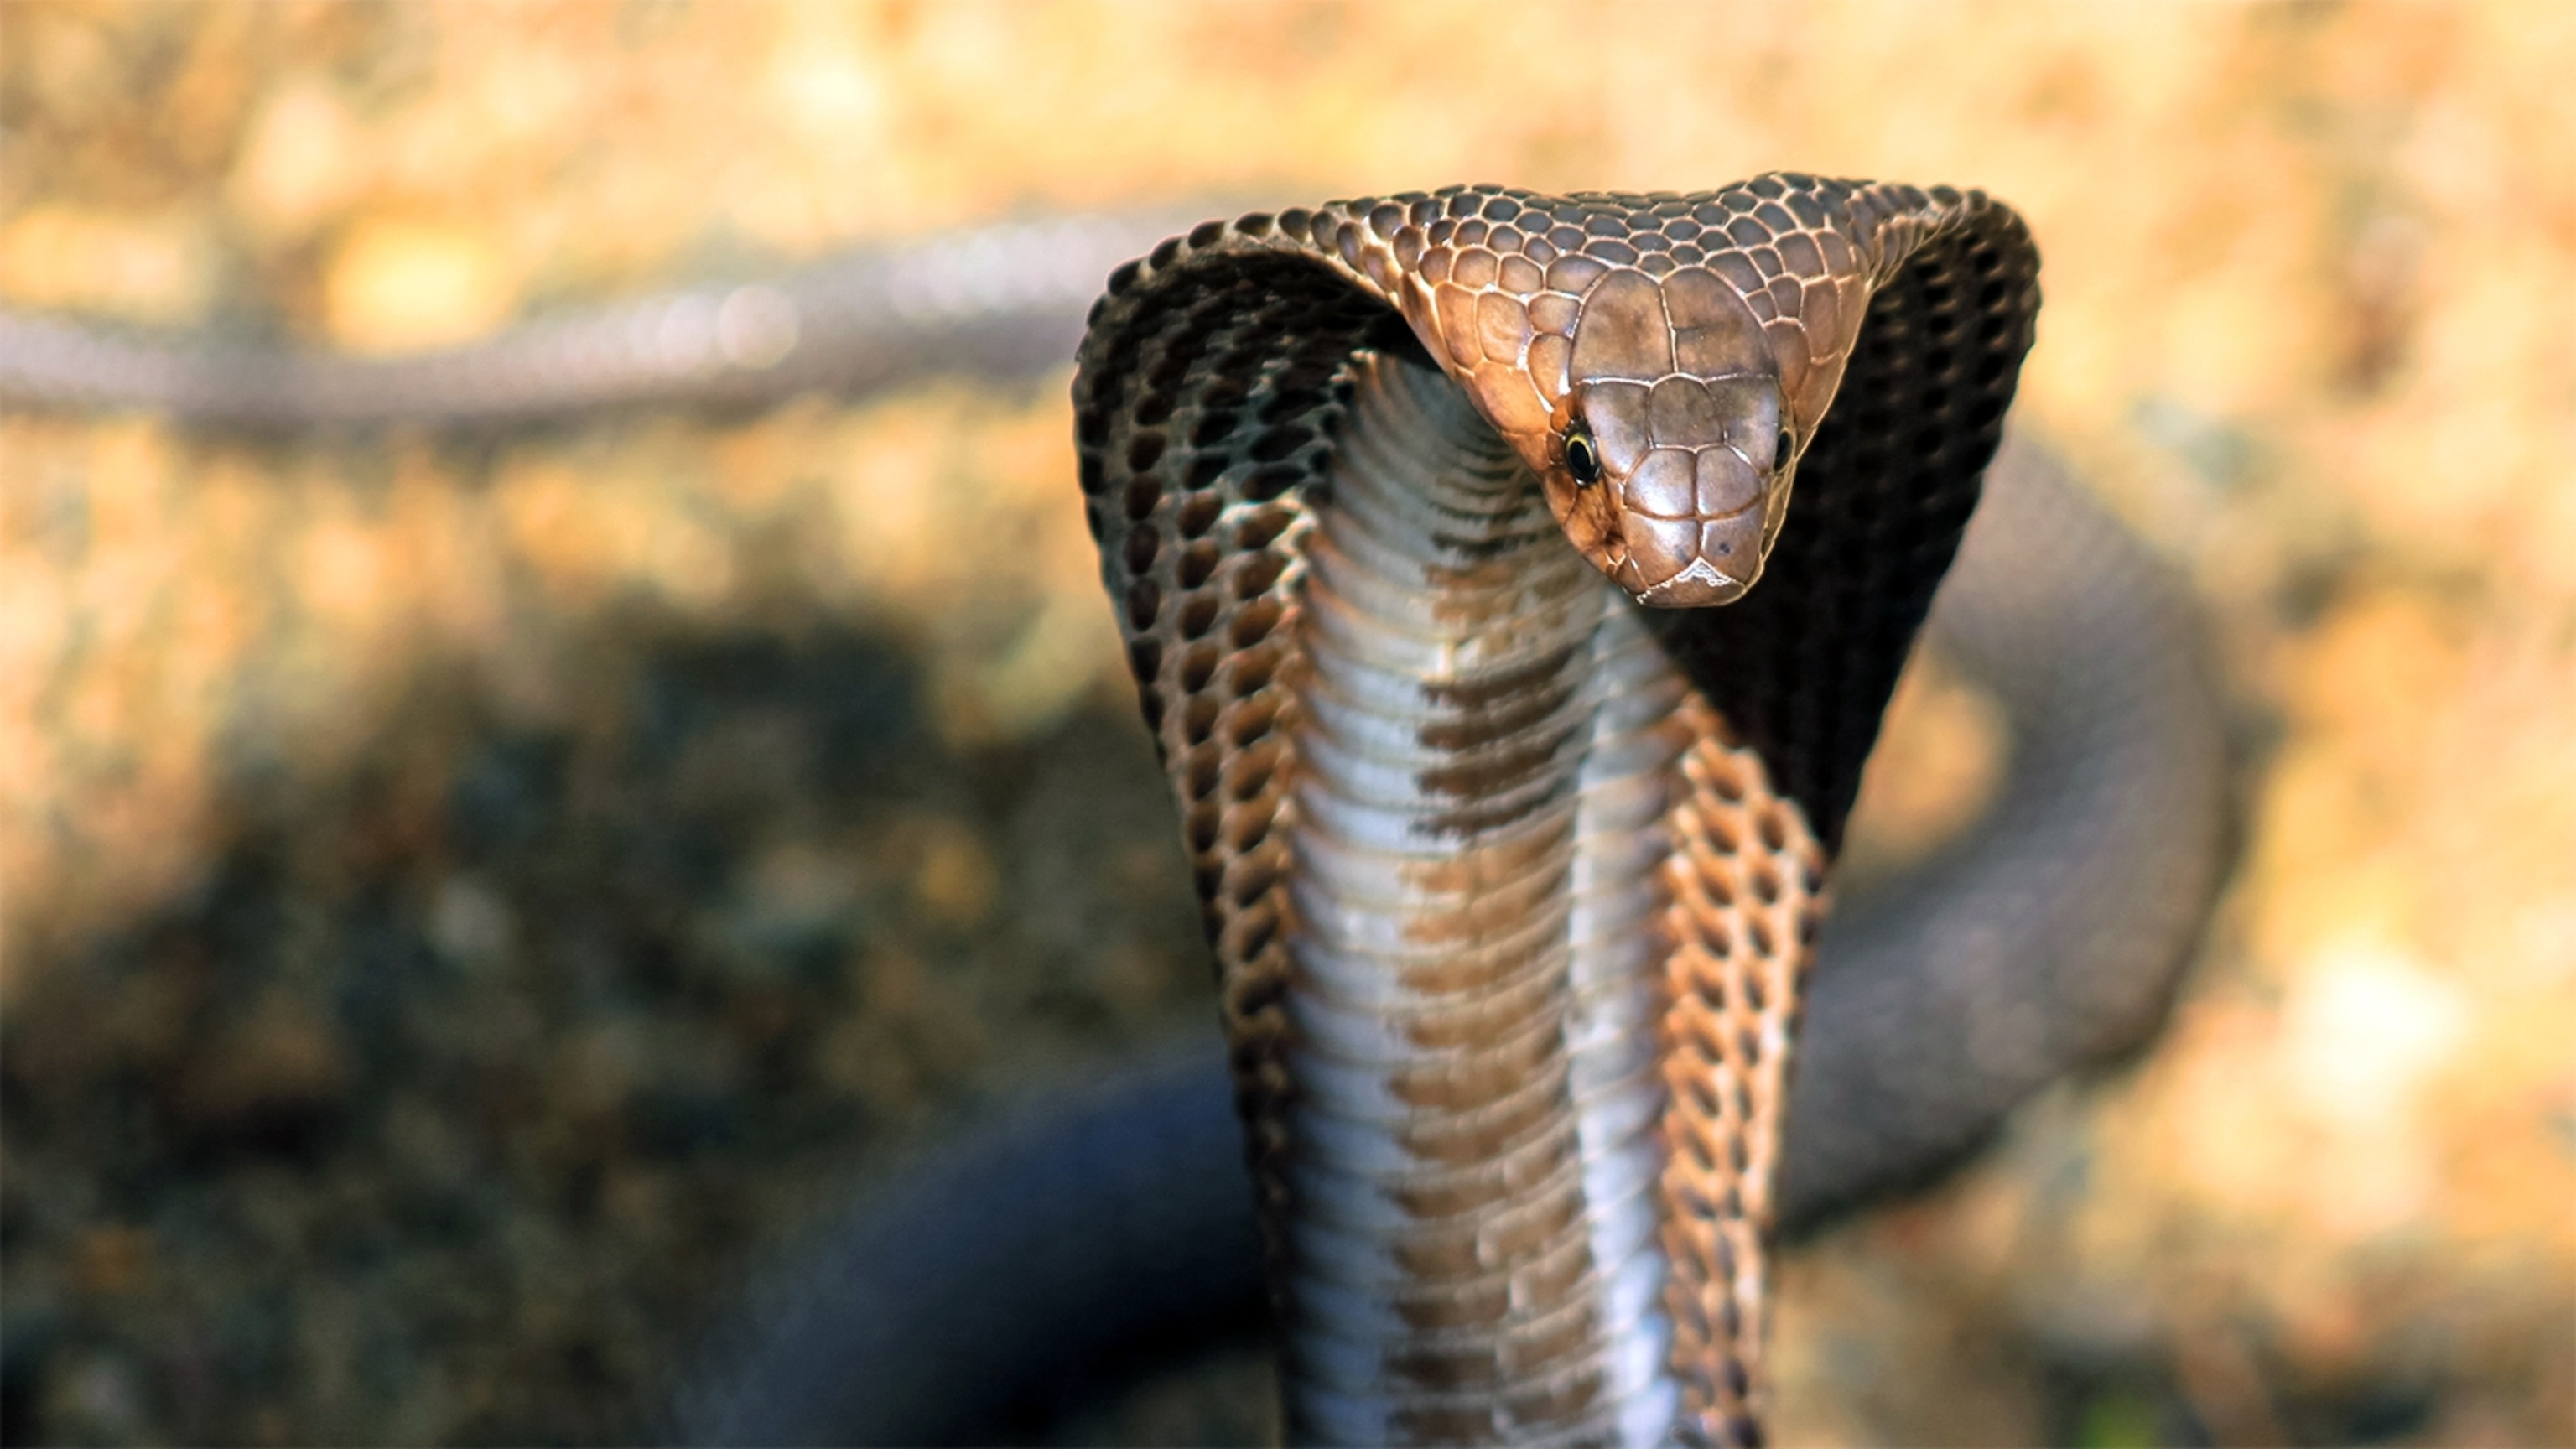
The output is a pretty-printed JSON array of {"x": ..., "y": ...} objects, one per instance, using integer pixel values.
[
  {"x": 1699, "y": 585},
  {"x": 1687, "y": 563}
]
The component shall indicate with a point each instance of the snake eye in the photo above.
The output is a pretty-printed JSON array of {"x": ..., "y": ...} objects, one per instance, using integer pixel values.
[
  {"x": 1781, "y": 451},
  {"x": 1582, "y": 459}
]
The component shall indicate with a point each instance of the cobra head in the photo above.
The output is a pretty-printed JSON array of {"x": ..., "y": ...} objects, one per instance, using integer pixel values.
[
  {"x": 1670, "y": 458},
  {"x": 1659, "y": 432}
]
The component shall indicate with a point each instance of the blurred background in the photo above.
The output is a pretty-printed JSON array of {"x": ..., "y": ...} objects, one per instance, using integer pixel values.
[{"x": 471, "y": 899}]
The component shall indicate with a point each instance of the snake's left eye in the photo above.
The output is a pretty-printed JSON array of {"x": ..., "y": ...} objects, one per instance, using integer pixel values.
[
  {"x": 1781, "y": 450},
  {"x": 1582, "y": 458}
]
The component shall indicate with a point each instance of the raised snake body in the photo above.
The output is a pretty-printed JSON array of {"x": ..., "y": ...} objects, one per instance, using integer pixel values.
[{"x": 1512, "y": 883}]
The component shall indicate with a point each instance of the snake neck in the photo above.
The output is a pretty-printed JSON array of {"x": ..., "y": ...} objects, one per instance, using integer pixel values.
[{"x": 1472, "y": 1246}]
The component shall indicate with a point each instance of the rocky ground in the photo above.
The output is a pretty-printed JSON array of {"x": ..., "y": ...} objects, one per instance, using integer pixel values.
[{"x": 470, "y": 898}]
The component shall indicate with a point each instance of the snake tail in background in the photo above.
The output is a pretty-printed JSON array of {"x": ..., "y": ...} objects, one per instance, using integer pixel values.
[{"x": 1513, "y": 586}]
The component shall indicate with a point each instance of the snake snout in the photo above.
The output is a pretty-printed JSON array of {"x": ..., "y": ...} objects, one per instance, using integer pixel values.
[
  {"x": 1689, "y": 563},
  {"x": 1692, "y": 464}
]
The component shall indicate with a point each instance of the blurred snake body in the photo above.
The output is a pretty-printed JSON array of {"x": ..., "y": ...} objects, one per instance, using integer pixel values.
[{"x": 1513, "y": 585}]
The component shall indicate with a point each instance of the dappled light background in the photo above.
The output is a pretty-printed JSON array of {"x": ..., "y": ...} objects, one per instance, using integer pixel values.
[{"x": 468, "y": 899}]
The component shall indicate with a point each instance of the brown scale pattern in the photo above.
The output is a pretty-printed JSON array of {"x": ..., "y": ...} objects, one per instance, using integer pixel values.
[
  {"x": 1747, "y": 880},
  {"x": 1213, "y": 386},
  {"x": 1202, "y": 444}
]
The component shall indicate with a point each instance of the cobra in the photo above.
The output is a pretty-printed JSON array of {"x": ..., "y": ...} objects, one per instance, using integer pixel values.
[
  {"x": 1513, "y": 712},
  {"x": 1513, "y": 852}
]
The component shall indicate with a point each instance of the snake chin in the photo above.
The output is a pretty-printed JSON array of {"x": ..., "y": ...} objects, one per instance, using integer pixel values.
[{"x": 1687, "y": 562}]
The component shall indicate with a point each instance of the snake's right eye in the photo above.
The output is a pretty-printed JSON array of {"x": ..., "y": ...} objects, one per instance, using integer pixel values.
[{"x": 1582, "y": 458}]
